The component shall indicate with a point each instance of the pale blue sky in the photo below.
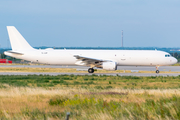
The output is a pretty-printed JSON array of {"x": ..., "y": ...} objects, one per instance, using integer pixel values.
[{"x": 92, "y": 23}]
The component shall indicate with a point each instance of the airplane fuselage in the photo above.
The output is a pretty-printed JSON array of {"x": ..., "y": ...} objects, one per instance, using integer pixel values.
[{"x": 121, "y": 57}]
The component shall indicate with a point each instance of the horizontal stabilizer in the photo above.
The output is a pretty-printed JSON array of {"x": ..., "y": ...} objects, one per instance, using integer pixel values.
[{"x": 14, "y": 53}]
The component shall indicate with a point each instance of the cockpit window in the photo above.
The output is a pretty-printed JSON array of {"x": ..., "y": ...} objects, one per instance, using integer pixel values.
[{"x": 167, "y": 55}]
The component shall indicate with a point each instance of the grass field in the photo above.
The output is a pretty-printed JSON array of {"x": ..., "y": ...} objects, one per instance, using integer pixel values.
[{"x": 89, "y": 97}]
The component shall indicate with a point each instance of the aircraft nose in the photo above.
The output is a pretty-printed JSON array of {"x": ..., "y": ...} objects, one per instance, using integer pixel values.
[{"x": 174, "y": 61}]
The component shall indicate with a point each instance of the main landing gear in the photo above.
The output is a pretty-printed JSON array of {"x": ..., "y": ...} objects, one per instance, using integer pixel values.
[
  {"x": 90, "y": 70},
  {"x": 157, "y": 71}
]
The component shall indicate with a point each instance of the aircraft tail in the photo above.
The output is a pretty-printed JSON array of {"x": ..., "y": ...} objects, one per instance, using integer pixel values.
[{"x": 17, "y": 40}]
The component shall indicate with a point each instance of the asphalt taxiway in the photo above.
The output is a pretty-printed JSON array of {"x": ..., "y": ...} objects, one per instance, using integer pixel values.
[
  {"x": 140, "y": 68},
  {"x": 132, "y": 68},
  {"x": 112, "y": 74}
]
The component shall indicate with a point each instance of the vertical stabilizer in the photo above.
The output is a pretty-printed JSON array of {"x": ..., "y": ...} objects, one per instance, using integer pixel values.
[{"x": 17, "y": 40}]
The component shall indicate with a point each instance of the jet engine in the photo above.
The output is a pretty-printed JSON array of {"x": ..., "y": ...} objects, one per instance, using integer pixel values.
[{"x": 109, "y": 66}]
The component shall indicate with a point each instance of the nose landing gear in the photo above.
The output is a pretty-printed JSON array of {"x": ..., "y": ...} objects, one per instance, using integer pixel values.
[{"x": 90, "y": 70}]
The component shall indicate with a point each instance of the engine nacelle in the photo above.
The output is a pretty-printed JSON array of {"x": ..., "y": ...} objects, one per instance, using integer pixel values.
[{"x": 109, "y": 66}]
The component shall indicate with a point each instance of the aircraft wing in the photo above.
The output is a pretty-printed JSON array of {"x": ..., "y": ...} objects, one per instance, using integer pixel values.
[{"x": 82, "y": 60}]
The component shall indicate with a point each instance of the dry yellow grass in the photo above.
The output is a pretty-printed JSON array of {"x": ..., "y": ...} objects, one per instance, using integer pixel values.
[
  {"x": 15, "y": 99},
  {"x": 27, "y": 91}
]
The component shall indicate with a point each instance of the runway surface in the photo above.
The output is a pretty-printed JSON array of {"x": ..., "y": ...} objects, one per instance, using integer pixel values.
[
  {"x": 138, "y": 68},
  {"x": 141, "y": 68},
  {"x": 113, "y": 74}
]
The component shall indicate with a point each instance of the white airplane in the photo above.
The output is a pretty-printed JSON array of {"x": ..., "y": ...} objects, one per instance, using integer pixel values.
[{"x": 105, "y": 59}]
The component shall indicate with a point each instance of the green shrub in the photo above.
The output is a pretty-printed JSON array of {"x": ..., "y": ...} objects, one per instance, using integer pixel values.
[
  {"x": 58, "y": 81},
  {"x": 85, "y": 79},
  {"x": 58, "y": 100},
  {"x": 108, "y": 87},
  {"x": 98, "y": 87},
  {"x": 76, "y": 82}
]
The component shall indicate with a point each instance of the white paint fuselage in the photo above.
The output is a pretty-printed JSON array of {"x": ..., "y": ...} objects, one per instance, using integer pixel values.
[{"x": 121, "y": 57}]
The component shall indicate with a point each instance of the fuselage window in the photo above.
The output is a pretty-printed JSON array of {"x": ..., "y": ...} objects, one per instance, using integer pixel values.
[{"x": 167, "y": 55}]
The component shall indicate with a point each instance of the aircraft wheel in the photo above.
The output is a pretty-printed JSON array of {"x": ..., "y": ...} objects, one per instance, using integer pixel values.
[
  {"x": 90, "y": 70},
  {"x": 157, "y": 71}
]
